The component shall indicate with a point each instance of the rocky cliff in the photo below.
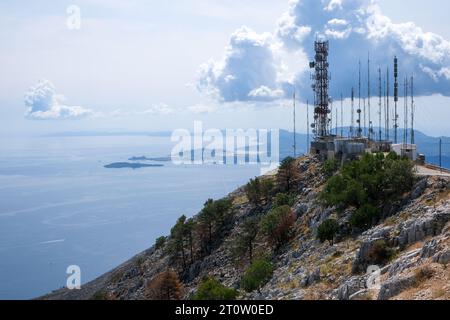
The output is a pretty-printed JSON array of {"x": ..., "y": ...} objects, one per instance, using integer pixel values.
[{"x": 415, "y": 229}]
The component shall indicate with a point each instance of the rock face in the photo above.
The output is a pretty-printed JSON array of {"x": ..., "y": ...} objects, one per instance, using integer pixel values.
[
  {"x": 389, "y": 261},
  {"x": 430, "y": 224},
  {"x": 393, "y": 287}
]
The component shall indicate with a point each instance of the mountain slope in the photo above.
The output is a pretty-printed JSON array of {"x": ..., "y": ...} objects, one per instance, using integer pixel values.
[{"x": 415, "y": 229}]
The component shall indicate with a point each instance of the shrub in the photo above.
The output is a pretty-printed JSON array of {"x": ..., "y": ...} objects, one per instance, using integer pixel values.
[
  {"x": 164, "y": 286},
  {"x": 211, "y": 289},
  {"x": 330, "y": 167},
  {"x": 380, "y": 253},
  {"x": 160, "y": 242},
  {"x": 257, "y": 275},
  {"x": 99, "y": 295},
  {"x": 423, "y": 274},
  {"x": 277, "y": 225},
  {"x": 364, "y": 217},
  {"x": 328, "y": 230},
  {"x": 283, "y": 199},
  {"x": 367, "y": 184}
]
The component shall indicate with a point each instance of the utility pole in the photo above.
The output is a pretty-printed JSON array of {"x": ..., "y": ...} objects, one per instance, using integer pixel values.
[{"x": 440, "y": 153}]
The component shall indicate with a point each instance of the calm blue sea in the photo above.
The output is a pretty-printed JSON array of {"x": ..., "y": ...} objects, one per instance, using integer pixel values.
[{"x": 60, "y": 207}]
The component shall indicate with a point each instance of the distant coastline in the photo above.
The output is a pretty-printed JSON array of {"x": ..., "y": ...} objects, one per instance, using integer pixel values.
[
  {"x": 123, "y": 165},
  {"x": 156, "y": 159}
]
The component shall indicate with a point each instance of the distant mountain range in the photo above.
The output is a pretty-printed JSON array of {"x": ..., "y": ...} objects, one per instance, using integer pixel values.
[{"x": 427, "y": 145}]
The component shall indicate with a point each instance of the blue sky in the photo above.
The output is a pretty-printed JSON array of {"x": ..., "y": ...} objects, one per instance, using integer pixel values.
[{"x": 137, "y": 65}]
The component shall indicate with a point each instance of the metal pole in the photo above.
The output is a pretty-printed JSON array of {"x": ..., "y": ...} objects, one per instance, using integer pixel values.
[
  {"x": 440, "y": 153},
  {"x": 307, "y": 126},
  {"x": 342, "y": 116},
  {"x": 295, "y": 129}
]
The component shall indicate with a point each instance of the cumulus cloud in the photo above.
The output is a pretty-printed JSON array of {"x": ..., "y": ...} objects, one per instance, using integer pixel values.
[
  {"x": 201, "y": 109},
  {"x": 251, "y": 66},
  {"x": 44, "y": 103},
  {"x": 159, "y": 109},
  {"x": 248, "y": 70}
]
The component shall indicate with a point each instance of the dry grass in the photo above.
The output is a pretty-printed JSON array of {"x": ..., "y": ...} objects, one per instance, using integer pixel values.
[{"x": 423, "y": 274}]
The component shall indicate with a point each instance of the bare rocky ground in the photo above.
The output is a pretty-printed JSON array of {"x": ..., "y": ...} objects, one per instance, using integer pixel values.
[{"x": 416, "y": 229}]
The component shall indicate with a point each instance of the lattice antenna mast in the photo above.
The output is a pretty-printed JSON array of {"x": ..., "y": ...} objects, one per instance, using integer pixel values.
[
  {"x": 359, "y": 103},
  {"x": 379, "y": 104},
  {"x": 386, "y": 111},
  {"x": 395, "y": 100},
  {"x": 368, "y": 96},
  {"x": 406, "y": 112},
  {"x": 321, "y": 85},
  {"x": 387, "y": 106},
  {"x": 413, "y": 138}
]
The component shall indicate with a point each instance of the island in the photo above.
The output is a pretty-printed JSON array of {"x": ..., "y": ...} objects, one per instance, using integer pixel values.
[
  {"x": 122, "y": 165},
  {"x": 144, "y": 158}
]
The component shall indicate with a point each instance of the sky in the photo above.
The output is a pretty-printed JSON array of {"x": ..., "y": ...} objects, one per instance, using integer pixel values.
[{"x": 159, "y": 65}]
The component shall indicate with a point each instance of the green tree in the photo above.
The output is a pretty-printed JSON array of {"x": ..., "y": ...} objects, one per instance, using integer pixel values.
[
  {"x": 257, "y": 275},
  {"x": 258, "y": 191},
  {"x": 364, "y": 217},
  {"x": 283, "y": 199},
  {"x": 253, "y": 191},
  {"x": 211, "y": 289},
  {"x": 160, "y": 242},
  {"x": 330, "y": 167},
  {"x": 189, "y": 228},
  {"x": 177, "y": 234},
  {"x": 368, "y": 184},
  {"x": 211, "y": 220},
  {"x": 277, "y": 225},
  {"x": 247, "y": 236},
  {"x": 328, "y": 230},
  {"x": 287, "y": 174}
]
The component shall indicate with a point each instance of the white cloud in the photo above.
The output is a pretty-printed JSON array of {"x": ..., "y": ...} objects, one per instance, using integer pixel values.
[
  {"x": 249, "y": 64},
  {"x": 201, "y": 109},
  {"x": 266, "y": 93},
  {"x": 159, "y": 109},
  {"x": 356, "y": 27},
  {"x": 254, "y": 66},
  {"x": 44, "y": 103}
]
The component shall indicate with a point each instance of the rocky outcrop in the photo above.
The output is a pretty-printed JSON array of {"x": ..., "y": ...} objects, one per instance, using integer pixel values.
[
  {"x": 429, "y": 224},
  {"x": 393, "y": 287},
  {"x": 414, "y": 235}
]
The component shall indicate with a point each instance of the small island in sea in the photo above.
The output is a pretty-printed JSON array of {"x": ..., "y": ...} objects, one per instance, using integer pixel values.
[
  {"x": 144, "y": 158},
  {"x": 122, "y": 165}
]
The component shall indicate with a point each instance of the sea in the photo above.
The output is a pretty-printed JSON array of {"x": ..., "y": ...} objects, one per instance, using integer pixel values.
[{"x": 59, "y": 205}]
